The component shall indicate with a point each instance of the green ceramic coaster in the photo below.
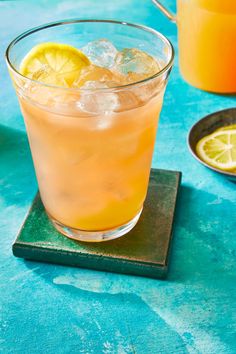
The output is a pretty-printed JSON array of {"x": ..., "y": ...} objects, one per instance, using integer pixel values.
[{"x": 143, "y": 251}]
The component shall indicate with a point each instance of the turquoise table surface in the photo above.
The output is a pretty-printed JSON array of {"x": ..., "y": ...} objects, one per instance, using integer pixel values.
[{"x": 56, "y": 309}]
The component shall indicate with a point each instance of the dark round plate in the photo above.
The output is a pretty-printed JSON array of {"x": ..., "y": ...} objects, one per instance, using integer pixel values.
[{"x": 208, "y": 125}]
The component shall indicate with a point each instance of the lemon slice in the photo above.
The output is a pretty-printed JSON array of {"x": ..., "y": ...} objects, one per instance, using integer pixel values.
[
  {"x": 54, "y": 64},
  {"x": 227, "y": 127},
  {"x": 219, "y": 149}
]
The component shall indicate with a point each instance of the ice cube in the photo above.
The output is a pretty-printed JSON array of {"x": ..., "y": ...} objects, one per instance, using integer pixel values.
[
  {"x": 137, "y": 65},
  {"x": 147, "y": 90},
  {"x": 132, "y": 60},
  {"x": 127, "y": 100},
  {"x": 94, "y": 101},
  {"x": 94, "y": 73},
  {"x": 101, "y": 52}
]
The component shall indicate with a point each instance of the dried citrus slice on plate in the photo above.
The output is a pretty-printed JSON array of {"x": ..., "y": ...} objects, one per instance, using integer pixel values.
[
  {"x": 54, "y": 64},
  {"x": 219, "y": 149}
]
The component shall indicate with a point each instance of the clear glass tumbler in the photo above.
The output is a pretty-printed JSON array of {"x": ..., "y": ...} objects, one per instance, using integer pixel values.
[{"x": 92, "y": 148}]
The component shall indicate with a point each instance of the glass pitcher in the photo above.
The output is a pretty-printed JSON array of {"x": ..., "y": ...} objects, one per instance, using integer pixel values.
[{"x": 207, "y": 42}]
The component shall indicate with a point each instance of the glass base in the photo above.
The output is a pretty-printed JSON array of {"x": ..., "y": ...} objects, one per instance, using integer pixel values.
[{"x": 95, "y": 236}]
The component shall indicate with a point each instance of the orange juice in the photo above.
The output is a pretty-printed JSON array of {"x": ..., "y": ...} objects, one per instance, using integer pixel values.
[
  {"x": 93, "y": 171},
  {"x": 207, "y": 43}
]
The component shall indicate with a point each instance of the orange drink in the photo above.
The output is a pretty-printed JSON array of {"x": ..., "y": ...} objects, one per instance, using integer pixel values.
[
  {"x": 207, "y": 43},
  {"x": 91, "y": 116},
  {"x": 93, "y": 171}
]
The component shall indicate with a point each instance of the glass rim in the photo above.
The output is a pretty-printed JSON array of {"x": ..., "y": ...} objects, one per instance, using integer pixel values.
[{"x": 73, "y": 21}]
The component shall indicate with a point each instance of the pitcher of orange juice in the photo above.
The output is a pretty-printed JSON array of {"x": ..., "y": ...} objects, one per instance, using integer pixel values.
[{"x": 207, "y": 42}]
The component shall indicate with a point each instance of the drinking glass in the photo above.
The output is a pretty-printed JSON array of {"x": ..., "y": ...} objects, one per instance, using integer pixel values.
[{"x": 92, "y": 148}]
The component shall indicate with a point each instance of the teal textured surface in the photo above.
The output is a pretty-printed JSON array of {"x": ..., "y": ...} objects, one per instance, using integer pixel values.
[{"x": 51, "y": 308}]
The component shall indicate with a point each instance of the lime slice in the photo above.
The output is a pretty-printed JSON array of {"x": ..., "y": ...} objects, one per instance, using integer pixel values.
[
  {"x": 219, "y": 149},
  {"x": 54, "y": 64}
]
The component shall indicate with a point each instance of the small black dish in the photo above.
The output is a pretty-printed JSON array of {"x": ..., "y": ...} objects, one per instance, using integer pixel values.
[{"x": 208, "y": 125}]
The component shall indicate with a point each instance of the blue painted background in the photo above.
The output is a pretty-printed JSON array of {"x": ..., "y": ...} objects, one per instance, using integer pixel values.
[{"x": 54, "y": 309}]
